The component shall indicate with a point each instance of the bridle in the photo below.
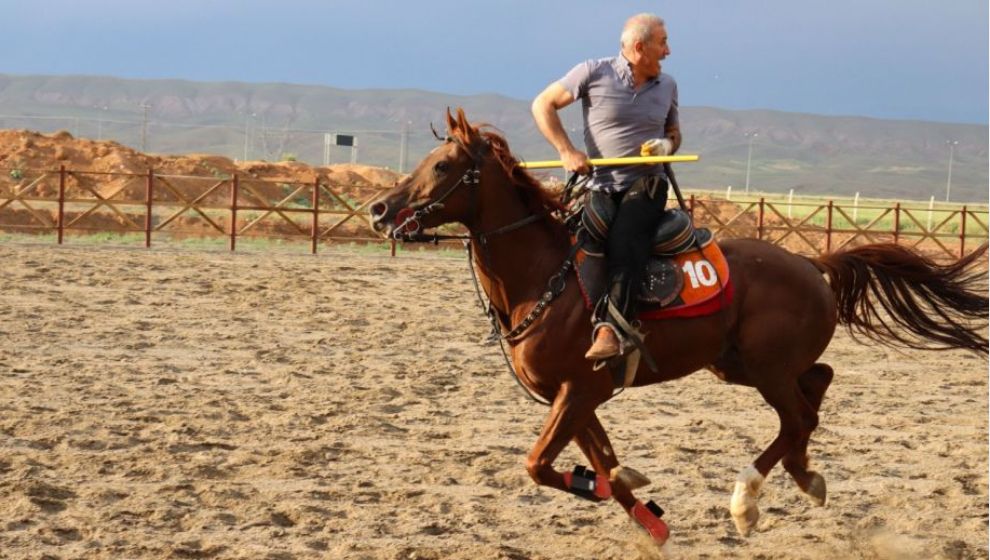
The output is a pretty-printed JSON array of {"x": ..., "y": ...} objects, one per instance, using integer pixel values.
[{"x": 410, "y": 227}]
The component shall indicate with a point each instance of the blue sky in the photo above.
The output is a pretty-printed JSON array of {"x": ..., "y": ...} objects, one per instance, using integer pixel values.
[{"x": 908, "y": 59}]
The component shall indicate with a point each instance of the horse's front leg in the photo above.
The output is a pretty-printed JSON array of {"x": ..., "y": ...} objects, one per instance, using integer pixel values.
[
  {"x": 569, "y": 414},
  {"x": 595, "y": 445}
]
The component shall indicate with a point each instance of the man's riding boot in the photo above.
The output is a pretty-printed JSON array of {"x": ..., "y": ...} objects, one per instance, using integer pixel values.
[
  {"x": 607, "y": 342},
  {"x": 605, "y": 346}
]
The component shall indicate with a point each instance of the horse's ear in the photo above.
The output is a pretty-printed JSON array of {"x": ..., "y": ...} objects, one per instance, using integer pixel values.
[
  {"x": 451, "y": 124},
  {"x": 469, "y": 131}
]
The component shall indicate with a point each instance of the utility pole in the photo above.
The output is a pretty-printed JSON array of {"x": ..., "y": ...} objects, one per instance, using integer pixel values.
[
  {"x": 144, "y": 127},
  {"x": 247, "y": 137},
  {"x": 948, "y": 181},
  {"x": 749, "y": 157},
  {"x": 404, "y": 146},
  {"x": 99, "y": 124}
]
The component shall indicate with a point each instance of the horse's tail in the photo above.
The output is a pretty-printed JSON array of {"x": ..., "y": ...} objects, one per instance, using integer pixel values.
[{"x": 893, "y": 295}]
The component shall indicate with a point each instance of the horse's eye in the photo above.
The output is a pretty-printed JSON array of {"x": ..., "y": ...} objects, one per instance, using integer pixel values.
[{"x": 441, "y": 167}]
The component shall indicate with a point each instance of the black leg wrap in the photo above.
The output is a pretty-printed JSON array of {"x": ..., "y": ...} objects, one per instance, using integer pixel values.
[
  {"x": 582, "y": 483},
  {"x": 654, "y": 509}
]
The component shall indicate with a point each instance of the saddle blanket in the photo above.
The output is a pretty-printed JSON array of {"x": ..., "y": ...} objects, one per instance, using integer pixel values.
[{"x": 689, "y": 284}]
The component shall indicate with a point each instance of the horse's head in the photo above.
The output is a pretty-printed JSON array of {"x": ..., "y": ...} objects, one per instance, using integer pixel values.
[{"x": 442, "y": 188}]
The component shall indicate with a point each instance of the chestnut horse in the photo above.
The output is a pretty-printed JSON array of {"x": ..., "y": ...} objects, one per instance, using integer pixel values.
[{"x": 780, "y": 320}]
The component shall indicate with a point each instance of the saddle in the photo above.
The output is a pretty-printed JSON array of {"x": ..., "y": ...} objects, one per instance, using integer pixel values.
[
  {"x": 686, "y": 269},
  {"x": 686, "y": 275}
]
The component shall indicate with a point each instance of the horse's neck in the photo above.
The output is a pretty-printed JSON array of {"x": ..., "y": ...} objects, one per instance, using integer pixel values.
[{"x": 514, "y": 267}]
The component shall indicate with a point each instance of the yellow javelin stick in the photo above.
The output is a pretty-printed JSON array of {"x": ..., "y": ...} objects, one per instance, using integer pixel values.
[{"x": 637, "y": 160}]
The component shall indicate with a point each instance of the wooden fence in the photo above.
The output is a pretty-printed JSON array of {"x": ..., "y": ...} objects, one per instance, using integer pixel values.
[
  {"x": 823, "y": 226},
  {"x": 151, "y": 204}
]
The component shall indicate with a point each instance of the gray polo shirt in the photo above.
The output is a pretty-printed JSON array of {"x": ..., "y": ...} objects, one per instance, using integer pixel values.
[{"x": 618, "y": 118}]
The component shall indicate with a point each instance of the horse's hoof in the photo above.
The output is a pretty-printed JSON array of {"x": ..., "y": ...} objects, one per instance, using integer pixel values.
[
  {"x": 630, "y": 478},
  {"x": 745, "y": 519},
  {"x": 744, "y": 504},
  {"x": 816, "y": 489}
]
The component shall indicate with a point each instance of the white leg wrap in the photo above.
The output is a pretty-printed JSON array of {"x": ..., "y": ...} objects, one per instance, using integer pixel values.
[{"x": 743, "y": 506}]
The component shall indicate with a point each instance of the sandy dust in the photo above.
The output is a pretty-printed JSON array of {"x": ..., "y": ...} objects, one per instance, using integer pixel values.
[{"x": 180, "y": 404}]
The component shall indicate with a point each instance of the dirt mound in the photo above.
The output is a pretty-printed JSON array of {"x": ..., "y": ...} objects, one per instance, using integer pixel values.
[
  {"x": 26, "y": 150},
  {"x": 30, "y": 161}
]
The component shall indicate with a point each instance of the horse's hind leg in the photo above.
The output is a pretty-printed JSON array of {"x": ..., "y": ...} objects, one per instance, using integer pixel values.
[
  {"x": 794, "y": 410},
  {"x": 813, "y": 384}
]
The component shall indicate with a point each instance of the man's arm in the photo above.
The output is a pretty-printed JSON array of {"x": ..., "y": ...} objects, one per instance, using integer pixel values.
[
  {"x": 673, "y": 133},
  {"x": 672, "y": 126},
  {"x": 545, "y": 107}
]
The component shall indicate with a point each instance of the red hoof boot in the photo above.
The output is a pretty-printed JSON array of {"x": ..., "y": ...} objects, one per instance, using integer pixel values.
[
  {"x": 585, "y": 483},
  {"x": 648, "y": 517},
  {"x": 606, "y": 345}
]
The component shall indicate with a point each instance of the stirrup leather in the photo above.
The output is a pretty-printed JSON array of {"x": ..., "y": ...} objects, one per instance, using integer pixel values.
[{"x": 633, "y": 336}]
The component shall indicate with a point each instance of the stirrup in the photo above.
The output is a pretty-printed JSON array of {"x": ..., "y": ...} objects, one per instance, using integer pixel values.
[{"x": 623, "y": 344}]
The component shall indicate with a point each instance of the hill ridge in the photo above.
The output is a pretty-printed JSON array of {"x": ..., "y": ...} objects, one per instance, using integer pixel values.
[{"x": 812, "y": 154}]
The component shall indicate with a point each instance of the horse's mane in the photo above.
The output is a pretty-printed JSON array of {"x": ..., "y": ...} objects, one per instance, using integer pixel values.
[{"x": 539, "y": 200}]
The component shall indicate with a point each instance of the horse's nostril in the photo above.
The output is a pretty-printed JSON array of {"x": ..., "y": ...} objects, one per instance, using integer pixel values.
[{"x": 378, "y": 209}]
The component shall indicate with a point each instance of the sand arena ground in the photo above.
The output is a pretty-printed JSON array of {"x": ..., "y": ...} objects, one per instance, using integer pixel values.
[{"x": 192, "y": 404}]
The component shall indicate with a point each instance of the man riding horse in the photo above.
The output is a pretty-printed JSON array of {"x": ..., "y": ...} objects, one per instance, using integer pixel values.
[{"x": 627, "y": 102}]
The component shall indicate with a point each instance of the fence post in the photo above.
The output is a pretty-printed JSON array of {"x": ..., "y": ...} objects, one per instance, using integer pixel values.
[
  {"x": 759, "y": 223},
  {"x": 962, "y": 233},
  {"x": 316, "y": 213},
  {"x": 828, "y": 230},
  {"x": 233, "y": 212},
  {"x": 393, "y": 247},
  {"x": 61, "y": 202},
  {"x": 147, "y": 200},
  {"x": 897, "y": 222},
  {"x": 931, "y": 206}
]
